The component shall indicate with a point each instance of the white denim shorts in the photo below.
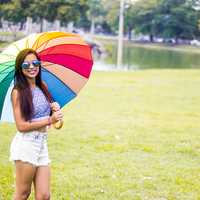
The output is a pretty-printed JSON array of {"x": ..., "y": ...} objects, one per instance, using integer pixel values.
[{"x": 30, "y": 147}]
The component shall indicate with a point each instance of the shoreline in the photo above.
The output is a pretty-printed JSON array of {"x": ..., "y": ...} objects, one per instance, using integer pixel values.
[{"x": 155, "y": 46}]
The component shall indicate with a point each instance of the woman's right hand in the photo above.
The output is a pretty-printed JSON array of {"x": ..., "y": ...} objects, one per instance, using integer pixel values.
[
  {"x": 55, "y": 106},
  {"x": 56, "y": 116}
]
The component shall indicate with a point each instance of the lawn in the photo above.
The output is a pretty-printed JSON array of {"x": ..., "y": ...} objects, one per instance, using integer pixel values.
[{"x": 128, "y": 136}]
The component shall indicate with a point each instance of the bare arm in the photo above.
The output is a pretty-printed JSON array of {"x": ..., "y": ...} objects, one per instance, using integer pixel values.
[{"x": 25, "y": 126}]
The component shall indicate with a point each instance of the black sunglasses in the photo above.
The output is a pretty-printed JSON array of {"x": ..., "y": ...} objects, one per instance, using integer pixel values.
[{"x": 26, "y": 64}]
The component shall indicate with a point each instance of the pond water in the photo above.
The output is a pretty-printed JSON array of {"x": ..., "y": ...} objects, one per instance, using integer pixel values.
[{"x": 137, "y": 58}]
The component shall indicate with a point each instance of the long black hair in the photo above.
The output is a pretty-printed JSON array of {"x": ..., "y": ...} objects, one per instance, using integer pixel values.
[{"x": 23, "y": 87}]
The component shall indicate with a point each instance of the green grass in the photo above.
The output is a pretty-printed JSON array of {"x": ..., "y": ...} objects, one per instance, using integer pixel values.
[
  {"x": 3, "y": 45},
  {"x": 19, "y": 34},
  {"x": 128, "y": 136}
]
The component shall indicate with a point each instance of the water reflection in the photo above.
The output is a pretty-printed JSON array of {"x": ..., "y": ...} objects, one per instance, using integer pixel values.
[{"x": 142, "y": 58}]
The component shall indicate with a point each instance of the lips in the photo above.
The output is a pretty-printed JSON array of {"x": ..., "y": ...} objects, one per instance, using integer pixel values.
[{"x": 32, "y": 72}]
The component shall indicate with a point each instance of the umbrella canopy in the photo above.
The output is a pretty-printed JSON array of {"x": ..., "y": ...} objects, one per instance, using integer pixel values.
[{"x": 66, "y": 65}]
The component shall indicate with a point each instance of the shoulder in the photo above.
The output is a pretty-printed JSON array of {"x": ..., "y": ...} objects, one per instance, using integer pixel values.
[{"x": 14, "y": 94}]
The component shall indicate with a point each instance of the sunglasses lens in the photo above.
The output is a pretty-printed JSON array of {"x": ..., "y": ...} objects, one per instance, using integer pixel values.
[
  {"x": 36, "y": 63},
  {"x": 25, "y": 65}
]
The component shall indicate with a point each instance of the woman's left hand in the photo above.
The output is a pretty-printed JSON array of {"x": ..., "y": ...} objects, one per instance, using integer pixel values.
[{"x": 55, "y": 106}]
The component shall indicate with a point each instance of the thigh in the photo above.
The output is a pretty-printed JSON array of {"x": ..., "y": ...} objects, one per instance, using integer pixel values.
[
  {"x": 42, "y": 180},
  {"x": 25, "y": 173}
]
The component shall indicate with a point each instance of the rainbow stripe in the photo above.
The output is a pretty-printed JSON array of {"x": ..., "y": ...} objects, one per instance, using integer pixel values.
[{"x": 66, "y": 66}]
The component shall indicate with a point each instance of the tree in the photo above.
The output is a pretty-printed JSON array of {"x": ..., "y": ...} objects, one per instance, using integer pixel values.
[
  {"x": 43, "y": 10},
  {"x": 164, "y": 18},
  {"x": 177, "y": 19},
  {"x": 62, "y": 10},
  {"x": 112, "y": 14},
  {"x": 140, "y": 16},
  {"x": 72, "y": 10},
  {"x": 15, "y": 11},
  {"x": 50, "y": 10},
  {"x": 95, "y": 13}
]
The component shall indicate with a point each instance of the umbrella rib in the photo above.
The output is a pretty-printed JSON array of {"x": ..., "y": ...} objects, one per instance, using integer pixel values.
[
  {"x": 80, "y": 62},
  {"x": 4, "y": 90},
  {"x": 59, "y": 36},
  {"x": 6, "y": 77},
  {"x": 37, "y": 41},
  {"x": 45, "y": 44},
  {"x": 4, "y": 70},
  {"x": 48, "y": 64},
  {"x": 69, "y": 55},
  {"x": 16, "y": 47},
  {"x": 27, "y": 44},
  {"x": 64, "y": 67},
  {"x": 52, "y": 48},
  {"x": 58, "y": 79},
  {"x": 9, "y": 55},
  {"x": 6, "y": 64}
]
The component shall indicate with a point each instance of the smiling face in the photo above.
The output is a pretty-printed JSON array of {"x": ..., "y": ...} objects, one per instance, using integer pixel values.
[{"x": 32, "y": 71}]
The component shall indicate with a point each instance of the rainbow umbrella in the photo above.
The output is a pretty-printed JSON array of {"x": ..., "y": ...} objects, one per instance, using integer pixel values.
[{"x": 66, "y": 65}]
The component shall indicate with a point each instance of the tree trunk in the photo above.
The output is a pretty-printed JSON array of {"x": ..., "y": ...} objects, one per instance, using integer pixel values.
[
  {"x": 41, "y": 24},
  {"x": 151, "y": 38},
  {"x": 28, "y": 25},
  {"x": 92, "y": 27},
  {"x": 176, "y": 40},
  {"x": 21, "y": 26},
  {"x": 1, "y": 23},
  {"x": 45, "y": 24},
  {"x": 57, "y": 25},
  {"x": 129, "y": 33},
  {"x": 70, "y": 26}
]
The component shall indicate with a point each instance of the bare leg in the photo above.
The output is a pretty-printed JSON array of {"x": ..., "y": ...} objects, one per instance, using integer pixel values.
[
  {"x": 25, "y": 173},
  {"x": 42, "y": 183}
]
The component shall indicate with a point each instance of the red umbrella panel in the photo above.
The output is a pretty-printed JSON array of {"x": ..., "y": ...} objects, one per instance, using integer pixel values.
[{"x": 66, "y": 65}]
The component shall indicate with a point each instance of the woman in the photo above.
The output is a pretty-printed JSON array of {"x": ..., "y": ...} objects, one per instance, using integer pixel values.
[{"x": 32, "y": 106}]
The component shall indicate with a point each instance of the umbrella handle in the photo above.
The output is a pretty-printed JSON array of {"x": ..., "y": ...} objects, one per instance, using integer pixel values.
[{"x": 58, "y": 124}]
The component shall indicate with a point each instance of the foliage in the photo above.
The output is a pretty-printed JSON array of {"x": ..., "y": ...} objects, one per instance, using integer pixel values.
[
  {"x": 65, "y": 11},
  {"x": 16, "y": 10},
  {"x": 140, "y": 16},
  {"x": 178, "y": 19},
  {"x": 164, "y": 18},
  {"x": 112, "y": 14},
  {"x": 72, "y": 10}
]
